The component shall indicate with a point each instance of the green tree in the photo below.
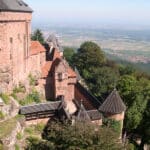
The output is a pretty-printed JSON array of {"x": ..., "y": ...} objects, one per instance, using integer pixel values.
[
  {"x": 135, "y": 98},
  {"x": 101, "y": 81},
  {"x": 82, "y": 136},
  {"x": 38, "y": 36},
  {"x": 126, "y": 70},
  {"x": 68, "y": 54},
  {"x": 89, "y": 55}
]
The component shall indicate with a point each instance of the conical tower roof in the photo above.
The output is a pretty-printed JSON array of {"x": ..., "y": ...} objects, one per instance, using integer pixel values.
[
  {"x": 82, "y": 114},
  {"x": 113, "y": 104}
]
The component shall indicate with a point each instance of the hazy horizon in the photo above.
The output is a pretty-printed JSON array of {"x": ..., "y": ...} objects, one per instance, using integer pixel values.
[{"x": 123, "y": 14}]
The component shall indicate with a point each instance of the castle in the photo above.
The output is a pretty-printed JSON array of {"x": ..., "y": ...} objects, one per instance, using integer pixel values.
[{"x": 19, "y": 56}]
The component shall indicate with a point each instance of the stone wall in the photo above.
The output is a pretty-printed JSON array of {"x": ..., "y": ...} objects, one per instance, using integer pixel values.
[
  {"x": 37, "y": 121},
  {"x": 34, "y": 64},
  {"x": 117, "y": 117},
  {"x": 15, "y": 31}
]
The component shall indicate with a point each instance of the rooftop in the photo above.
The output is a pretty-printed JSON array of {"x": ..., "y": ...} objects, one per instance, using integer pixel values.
[
  {"x": 14, "y": 6},
  {"x": 42, "y": 107},
  {"x": 52, "y": 64},
  {"x": 113, "y": 104},
  {"x": 36, "y": 48}
]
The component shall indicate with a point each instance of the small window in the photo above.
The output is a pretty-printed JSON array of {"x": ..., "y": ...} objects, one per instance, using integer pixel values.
[
  {"x": 11, "y": 40},
  {"x": 60, "y": 76}
]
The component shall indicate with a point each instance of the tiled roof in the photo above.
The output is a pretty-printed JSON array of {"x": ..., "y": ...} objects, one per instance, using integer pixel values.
[
  {"x": 82, "y": 114},
  {"x": 113, "y": 104},
  {"x": 36, "y": 48},
  {"x": 46, "y": 68},
  {"x": 51, "y": 65},
  {"x": 14, "y": 5},
  {"x": 94, "y": 114},
  {"x": 89, "y": 101},
  {"x": 49, "y": 106}
]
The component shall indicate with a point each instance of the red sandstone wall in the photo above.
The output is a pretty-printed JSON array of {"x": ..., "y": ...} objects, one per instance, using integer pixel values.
[
  {"x": 15, "y": 30},
  {"x": 42, "y": 58},
  {"x": 37, "y": 121},
  {"x": 4, "y": 53},
  {"x": 13, "y": 16},
  {"x": 34, "y": 63}
]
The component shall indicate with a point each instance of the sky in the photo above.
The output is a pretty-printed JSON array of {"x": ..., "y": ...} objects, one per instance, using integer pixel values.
[{"x": 123, "y": 13}]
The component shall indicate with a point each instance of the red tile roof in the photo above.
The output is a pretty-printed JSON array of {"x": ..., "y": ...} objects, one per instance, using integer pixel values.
[
  {"x": 36, "y": 48},
  {"x": 50, "y": 65},
  {"x": 46, "y": 68}
]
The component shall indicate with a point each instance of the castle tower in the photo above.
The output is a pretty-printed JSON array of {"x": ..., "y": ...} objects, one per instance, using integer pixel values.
[
  {"x": 15, "y": 31},
  {"x": 65, "y": 80},
  {"x": 113, "y": 107}
]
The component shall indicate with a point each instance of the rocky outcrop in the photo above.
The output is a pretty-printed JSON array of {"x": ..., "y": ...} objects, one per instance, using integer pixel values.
[
  {"x": 10, "y": 140},
  {"x": 5, "y": 78},
  {"x": 10, "y": 110}
]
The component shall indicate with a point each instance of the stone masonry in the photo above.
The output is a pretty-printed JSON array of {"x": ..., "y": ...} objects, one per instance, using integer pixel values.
[{"x": 15, "y": 31}]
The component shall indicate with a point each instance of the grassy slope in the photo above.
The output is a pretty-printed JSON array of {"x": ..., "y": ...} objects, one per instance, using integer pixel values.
[{"x": 7, "y": 126}]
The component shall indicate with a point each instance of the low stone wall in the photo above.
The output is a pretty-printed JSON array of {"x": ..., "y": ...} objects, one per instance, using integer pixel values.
[{"x": 37, "y": 121}]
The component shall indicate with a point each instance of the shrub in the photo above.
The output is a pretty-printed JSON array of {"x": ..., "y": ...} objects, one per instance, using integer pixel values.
[
  {"x": 17, "y": 147},
  {"x": 29, "y": 130},
  {"x": 5, "y": 98},
  {"x": 32, "y": 80},
  {"x": 33, "y": 97},
  {"x": 19, "y": 89},
  {"x": 39, "y": 127},
  {"x": 19, "y": 136},
  {"x": 115, "y": 125},
  {"x": 1, "y": 115},
  {"x": 14, "y": 95},
  {"x": 1, "y": 147}
]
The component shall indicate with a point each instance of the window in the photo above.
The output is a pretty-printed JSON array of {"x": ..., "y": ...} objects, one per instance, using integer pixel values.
[
  {"x": 11, "y": 40},
  {"x": 60, "y": 76},
  {"x": 11, "y": 46}
]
